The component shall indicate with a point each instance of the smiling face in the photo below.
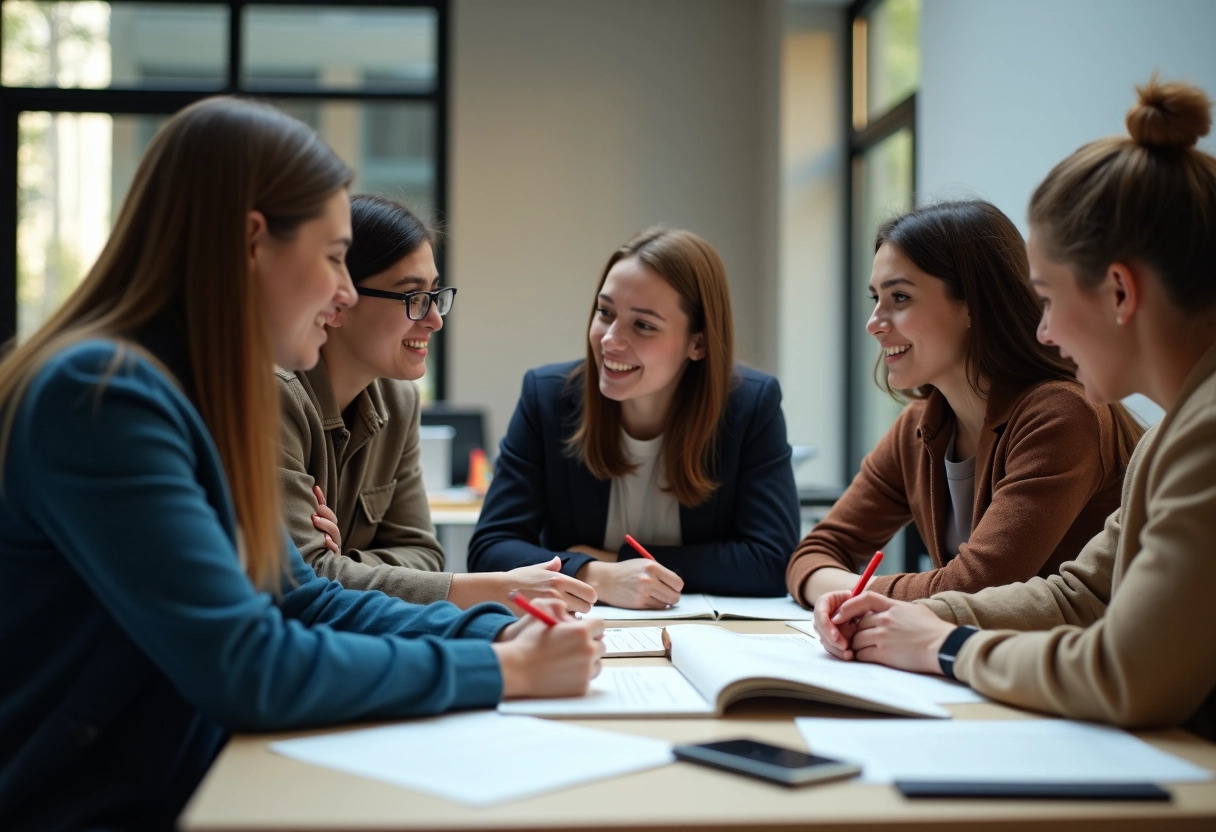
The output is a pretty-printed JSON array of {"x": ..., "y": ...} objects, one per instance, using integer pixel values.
[
  {"x": 377, "y": 339},
  {"x": 922, "y": 331},
  {"x": 639, "y": 336},
  {"x": 303, "y": 281},
  {"x": 1080, "y": 326}
]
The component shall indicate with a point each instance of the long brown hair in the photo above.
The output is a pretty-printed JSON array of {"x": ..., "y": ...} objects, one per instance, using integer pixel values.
[
  {"x": 978, "y": 253},
  {"x": 180, "y": 246},
  {"x": 696, "y": 272}
]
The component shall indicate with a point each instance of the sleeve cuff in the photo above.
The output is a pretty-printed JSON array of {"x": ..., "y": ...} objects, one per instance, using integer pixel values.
[{"x": 574, "y": 561}]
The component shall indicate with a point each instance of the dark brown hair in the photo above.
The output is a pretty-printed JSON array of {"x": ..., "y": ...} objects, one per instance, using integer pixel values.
[
  {"x": 978, "y": 253},
  {"x": 384, "y": 232},
  {"x": 696, "y": 272}
]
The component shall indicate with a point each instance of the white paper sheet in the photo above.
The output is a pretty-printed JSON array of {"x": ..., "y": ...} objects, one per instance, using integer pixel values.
[
  {"x": 474, "y": 758},
  {"x": 1023, "y": 750},
  {"x": 622, "y": 691},
  {"x": 689, "y": 606}
]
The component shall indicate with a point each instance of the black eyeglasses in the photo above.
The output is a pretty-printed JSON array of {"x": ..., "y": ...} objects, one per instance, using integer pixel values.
[{"x": 417, "y": 304}]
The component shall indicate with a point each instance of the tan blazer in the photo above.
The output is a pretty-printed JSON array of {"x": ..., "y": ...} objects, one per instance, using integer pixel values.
[
  {"x": 371, "y": 478},
  {"x": 1126, "y": 633},
  {"x": 1047, "y": 473}
]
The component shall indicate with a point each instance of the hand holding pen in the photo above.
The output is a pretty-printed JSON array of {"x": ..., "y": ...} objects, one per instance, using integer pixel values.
[
  {"x": 548, "y": 652},
  {"x": 835, "y": 635}
]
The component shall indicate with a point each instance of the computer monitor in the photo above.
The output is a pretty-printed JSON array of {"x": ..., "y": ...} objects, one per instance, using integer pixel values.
[{"x": 469, "y": 425}]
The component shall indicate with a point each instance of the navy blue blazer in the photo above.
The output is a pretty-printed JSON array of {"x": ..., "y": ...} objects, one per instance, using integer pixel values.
[{"x": 541, "y": 501}]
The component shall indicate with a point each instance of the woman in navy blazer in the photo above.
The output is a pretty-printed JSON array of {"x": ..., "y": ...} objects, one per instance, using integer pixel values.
[{"x": 656, "y": 433}]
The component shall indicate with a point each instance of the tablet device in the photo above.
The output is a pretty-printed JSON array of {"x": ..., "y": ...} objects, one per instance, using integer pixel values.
[
  {"x": 787, "y": 766},
  {"x": 1036, "y": 791}
]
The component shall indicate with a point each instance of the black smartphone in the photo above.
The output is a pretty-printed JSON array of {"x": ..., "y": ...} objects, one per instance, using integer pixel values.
[{"x": 787, "y": 766}]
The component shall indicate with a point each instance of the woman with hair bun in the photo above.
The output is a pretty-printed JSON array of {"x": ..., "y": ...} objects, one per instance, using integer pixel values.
[{"x": 1123, "y": 254}]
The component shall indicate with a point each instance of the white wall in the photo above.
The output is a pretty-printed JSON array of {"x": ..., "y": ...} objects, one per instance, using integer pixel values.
[
  {"x": 1010, "y": 88},
  {"x": 811, "y": 241},
  {"x": 576, "y": 123}
]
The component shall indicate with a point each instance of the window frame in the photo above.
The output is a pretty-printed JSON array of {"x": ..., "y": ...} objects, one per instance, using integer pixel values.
[{"x": 168, "y": 100}]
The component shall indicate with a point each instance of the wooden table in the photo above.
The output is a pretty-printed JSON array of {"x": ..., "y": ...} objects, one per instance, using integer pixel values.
[{"x": 252, "y": 789}]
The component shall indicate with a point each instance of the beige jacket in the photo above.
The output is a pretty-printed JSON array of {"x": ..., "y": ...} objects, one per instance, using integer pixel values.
[
  {"x": 1126, "y": 633},
  {"x": 371, "y": 478}
]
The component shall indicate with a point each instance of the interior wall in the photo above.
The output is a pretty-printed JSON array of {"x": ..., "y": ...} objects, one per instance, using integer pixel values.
[{"x": 576, "y": 123}]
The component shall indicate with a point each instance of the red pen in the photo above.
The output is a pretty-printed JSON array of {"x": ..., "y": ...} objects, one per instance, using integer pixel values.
[
  {"x": 640, "y": 548},
  {"x": 869, "y": 573},
  {"x": 531, "y": 609}
]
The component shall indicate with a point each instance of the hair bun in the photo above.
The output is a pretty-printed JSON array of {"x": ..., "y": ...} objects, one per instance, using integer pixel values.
[{"x": 1169, "y": 115}]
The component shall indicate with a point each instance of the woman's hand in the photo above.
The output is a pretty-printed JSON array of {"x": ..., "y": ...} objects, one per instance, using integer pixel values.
[
  {"x": 636, "y": 583},
  {"x": 539, "y": 660},
  {"x": 834, "y": 637},
  {"x": 326, "y": 522},
  {"x": 545, "y": 580},
  {"x": 895, "y": 633}
]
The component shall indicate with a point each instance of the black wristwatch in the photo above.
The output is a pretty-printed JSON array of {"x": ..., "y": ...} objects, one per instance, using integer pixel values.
[{"x": 951, "y": 646}]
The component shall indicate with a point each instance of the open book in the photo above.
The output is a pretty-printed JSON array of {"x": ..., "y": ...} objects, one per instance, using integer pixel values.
[
  {"x": 711, "y": 606},
  {"x": 713, "y": 668}
]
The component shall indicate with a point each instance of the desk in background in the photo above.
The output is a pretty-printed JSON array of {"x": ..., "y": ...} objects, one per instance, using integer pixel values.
[
  {"x": 250, "y": 788},
  {"x": 454, "y": 514}
]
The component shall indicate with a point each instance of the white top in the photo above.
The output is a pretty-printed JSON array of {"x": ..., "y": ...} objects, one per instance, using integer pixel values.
[
  {"x": 960, "y": 480},
  {"x": 637, "y": 504}
]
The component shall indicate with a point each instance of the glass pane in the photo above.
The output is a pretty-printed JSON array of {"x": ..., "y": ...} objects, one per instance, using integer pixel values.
[
  {"x": 892, "y": 54},
  {"x": 96, "y": 45},
  {"x": 882, "y": 183},
  {"x": 74, "y": 170},
  {"x": 335, "y": 47}
]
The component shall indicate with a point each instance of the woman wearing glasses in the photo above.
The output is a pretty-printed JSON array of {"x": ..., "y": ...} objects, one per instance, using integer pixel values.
[
  {"x": 350, "y": 472},
  {"x": 656, "y": 434}
]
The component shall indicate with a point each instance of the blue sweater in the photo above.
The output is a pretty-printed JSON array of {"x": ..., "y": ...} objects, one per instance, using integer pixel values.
[
  {"x": 541, "y": 501},
  {"x": 133, "y": 641}
]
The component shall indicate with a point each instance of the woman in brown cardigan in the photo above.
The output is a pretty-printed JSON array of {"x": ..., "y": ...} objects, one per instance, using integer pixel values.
[
  {"x": 1123, "y": 253},
  {"x": 1000, "y": 461}
]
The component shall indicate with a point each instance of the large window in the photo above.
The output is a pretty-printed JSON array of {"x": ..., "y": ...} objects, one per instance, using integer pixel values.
[
  {"x": 85, "y": 85},
  {"x": 884, "y": 73}
]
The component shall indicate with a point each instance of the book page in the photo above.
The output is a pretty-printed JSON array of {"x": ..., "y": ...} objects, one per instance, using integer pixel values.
[
  {"x": 622, "y": 691},
  {"x": 764, "y": 609},
  {"x": 633, "y": 641},
  {"x": 446, "y": 767},
  {"x": 689, "y": 606},
  {"x": 713, "y": 659},
  {"x": 1018, "y": 751}
]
